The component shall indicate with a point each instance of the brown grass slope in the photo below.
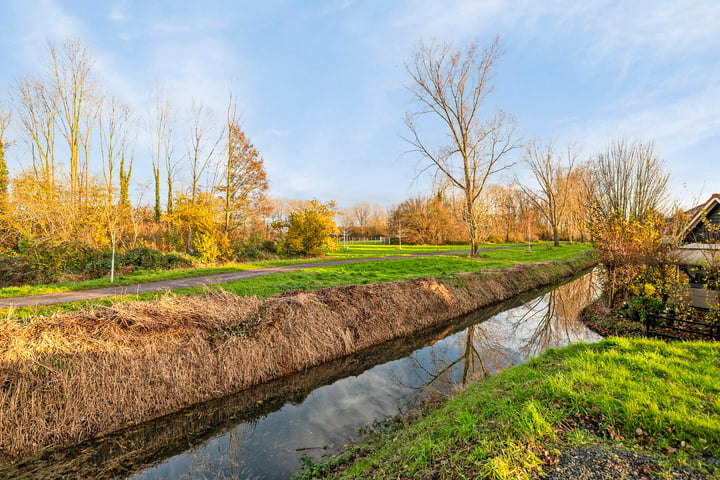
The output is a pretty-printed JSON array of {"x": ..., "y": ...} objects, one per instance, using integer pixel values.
[{"x": 67, "y": 378}]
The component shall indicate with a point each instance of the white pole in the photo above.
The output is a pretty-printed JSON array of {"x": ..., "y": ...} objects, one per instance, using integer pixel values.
[
  {"x": 400, "y": 235},
  {"x": 112, "y": 259}
]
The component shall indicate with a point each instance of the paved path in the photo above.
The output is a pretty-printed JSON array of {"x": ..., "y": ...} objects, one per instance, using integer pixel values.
[{"x": 96, "y": 293}]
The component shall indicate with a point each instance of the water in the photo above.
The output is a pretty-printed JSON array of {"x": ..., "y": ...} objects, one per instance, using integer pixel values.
[{"x": 262, "y": 432}]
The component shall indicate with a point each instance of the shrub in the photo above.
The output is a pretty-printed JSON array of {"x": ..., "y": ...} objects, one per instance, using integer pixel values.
[
  {"x": 15, "y": 270},
  {"x": 206, "y": 247},
  {"x": 310, "y": 230},
  {"x": 145, "y": 258},
  {"x": 179, "y": 260},
  {"x": 638, "y": 308},
  {"x": 99, "y": 265}
]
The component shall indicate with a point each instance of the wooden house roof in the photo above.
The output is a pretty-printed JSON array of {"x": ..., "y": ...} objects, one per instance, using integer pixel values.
[{"x": 699, "y": 212}]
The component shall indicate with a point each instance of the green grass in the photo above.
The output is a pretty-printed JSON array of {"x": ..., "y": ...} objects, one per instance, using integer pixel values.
[
  {"x": 358, "y": 273},
  {"x": 381, "y": 250},
  {"x": 647, "y": 395},
  {"x": 356, "y": 250}
]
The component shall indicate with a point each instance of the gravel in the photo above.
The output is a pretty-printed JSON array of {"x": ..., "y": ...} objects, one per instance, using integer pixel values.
[{"x": 601, "y": 464}]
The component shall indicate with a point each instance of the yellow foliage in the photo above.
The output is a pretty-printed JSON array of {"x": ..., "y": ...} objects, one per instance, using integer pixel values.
[{"x": 310, "y": 229}]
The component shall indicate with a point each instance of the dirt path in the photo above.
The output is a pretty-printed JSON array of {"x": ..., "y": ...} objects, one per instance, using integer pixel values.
[{"x": 105, "y": 292}]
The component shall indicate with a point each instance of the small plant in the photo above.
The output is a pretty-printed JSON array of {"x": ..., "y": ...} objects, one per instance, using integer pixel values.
[{"x": 638, "y": 308}]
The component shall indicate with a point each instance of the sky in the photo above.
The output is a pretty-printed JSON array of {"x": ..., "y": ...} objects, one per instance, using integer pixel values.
[{"x": 322, "y": 85}]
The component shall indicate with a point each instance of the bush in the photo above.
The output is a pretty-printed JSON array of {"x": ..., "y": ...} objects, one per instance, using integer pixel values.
[
  {"x": 145, "y": 258},
  {"x": 262, "y": 250},
  {"x": 495, "y": 238},
  {"x": 50, "y": 260},
  {"x": 179, "y": 260},
  {"x": 15, "y": 270},
  {"x": 206, "y": 247},
  {"x": 638, "y": 308},
  {"x": 99, "y": 265},
  {"x": 310, "y": 230}
]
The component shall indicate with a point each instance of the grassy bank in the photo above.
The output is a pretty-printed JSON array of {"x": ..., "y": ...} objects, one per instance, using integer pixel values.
[
  {"x": 600, "y": 404},
  {"x": 72, "y": 376},
  {"x": 353, "y": 274},
  {"x": 354, "y": 251}
]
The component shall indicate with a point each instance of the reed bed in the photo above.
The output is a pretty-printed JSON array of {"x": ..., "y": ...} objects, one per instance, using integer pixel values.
[{"x": 70, "y": 377}]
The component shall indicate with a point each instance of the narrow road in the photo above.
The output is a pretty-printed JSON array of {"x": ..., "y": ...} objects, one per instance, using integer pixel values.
[{"x": 105, "y": 292}]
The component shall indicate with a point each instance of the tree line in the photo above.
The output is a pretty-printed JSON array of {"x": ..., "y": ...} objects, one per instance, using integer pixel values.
[
  {"x": 69, "y": 206},
  {"x": 77, "y": 149}
]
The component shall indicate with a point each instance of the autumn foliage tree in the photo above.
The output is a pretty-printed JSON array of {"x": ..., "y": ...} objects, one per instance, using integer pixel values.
[
  {"x": 245, "y": 181},
  {"x": 426, "y": 220},
  {"x": 627, "y": 187},
  {"x": 310, "y": 229}
]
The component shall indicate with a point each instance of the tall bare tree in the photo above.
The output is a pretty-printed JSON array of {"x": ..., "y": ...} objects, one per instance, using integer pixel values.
[
  {"x": 73, "y": 99},
  {"x": 204, "y": 140},
  {"x": 360, "y": 217},
  {"x": 553, "y": 175},
  {"x": 4, "y": 174},
  {"x": 449, "y": 87},
  {"x": 627, "y": 179},
  {"x": 34, "y": 104},
  {"x": 116, "y": 147},
  {"x": 161, "y": 126}
]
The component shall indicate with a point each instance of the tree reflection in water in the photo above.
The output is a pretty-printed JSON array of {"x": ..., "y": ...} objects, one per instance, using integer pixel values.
[
  {"x": 509, "y": 338},
  {"x": 328, "y": 410}
]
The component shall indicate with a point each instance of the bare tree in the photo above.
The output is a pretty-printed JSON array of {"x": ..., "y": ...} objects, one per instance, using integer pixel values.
[
  {"x": 34, "y": 103},
  {"x": 449, "y": 86},
  {"x": 128, "y": 138},
  {"x": 73, "y": 101},
  {"x": 553, "y": 175},
  {"x": 361, "y": 217},
  {"x": 109, "y": 139},
  {"x": 4, "y": 175},
  {"x": 161, "y": 126},
  {"x": 116, "y": 148},
  {"x": 204, "y": 140},
  {"x": 627, "y": 188},
  {"x": 627, "y": 179}
]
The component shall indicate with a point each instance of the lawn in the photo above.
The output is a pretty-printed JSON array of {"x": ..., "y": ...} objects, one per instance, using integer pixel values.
[
  {"x": 355, "y": 250},
  {"x": 396, "y": 269},
  {"x": 358, "y": 273},
  {"x": 650, "y": 400}
]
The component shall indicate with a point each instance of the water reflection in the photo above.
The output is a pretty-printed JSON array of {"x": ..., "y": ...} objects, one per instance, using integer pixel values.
[
  {"x": 508, "y": 338},
  {"x": 261, "y": 433},
  {"x": 330, "y": 415}
]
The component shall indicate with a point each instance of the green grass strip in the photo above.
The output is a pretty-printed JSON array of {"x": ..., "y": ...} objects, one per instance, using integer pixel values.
[
  {"x": 357, "y": 273},
  {"x": 355, "y": 250},
  {"x": 658, "y": 398}
]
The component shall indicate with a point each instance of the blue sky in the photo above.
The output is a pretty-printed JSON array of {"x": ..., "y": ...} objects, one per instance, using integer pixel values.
[{"x": 320, "y": 84}]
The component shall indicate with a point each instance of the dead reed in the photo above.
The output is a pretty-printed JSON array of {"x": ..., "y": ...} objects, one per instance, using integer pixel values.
[{"x": 67, "y": 378}]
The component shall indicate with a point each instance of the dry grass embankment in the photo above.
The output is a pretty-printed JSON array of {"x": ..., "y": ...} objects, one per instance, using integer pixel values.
[{"x": 70, "y": 377}]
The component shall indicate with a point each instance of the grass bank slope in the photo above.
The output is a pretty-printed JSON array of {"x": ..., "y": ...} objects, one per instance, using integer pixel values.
[
  {"x": 388, "y": 270},
  {"x": 623, "y": 408},
  {"x": 72, "y": 376},
  {"x": 359, "y": 250}
]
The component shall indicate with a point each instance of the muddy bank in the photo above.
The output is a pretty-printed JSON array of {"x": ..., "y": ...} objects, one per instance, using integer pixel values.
[{"x": 69, "y": 378}]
